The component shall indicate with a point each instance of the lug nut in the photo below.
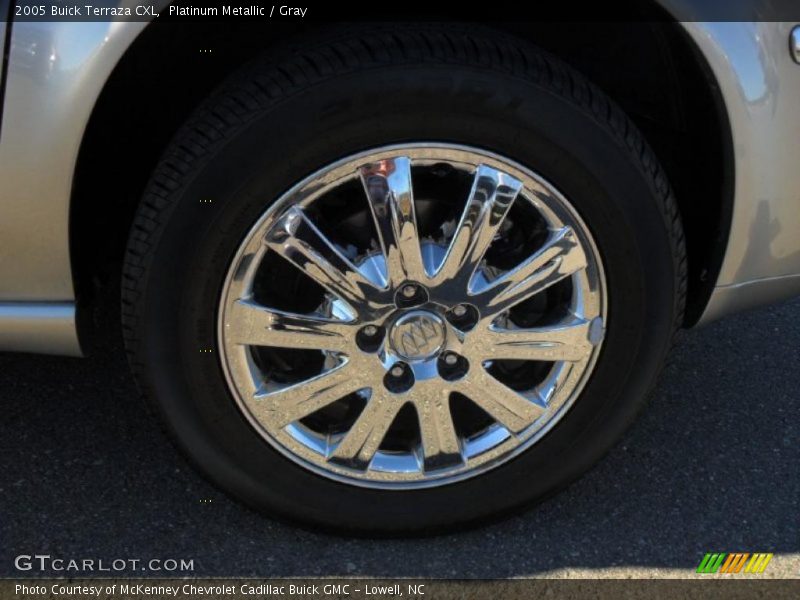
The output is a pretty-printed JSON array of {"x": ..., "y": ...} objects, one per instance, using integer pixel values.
[
  {"x": 369, "y": 338},
  {"x": 409, "y": 295},
  {"x": 463, "y": 316},
  {"x": 399, "y": 379},
  {"x": 409, "y": 290},
  {"x": 452, "y": 366}
]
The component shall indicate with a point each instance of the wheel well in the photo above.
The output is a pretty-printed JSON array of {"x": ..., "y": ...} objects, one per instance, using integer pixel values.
[
  {"x": 654, "y": 71},
  {"x": 651, "y": 69}
]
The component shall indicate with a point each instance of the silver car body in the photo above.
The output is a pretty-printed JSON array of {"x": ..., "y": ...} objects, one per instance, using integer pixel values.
[{"x": 56, "y": 72}]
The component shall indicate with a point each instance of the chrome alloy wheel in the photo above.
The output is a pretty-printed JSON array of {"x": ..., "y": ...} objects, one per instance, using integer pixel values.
[{"x": 412, "y": 316}]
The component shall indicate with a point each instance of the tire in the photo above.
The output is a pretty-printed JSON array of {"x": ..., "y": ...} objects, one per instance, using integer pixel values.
[{"x": 291, "y": 113}]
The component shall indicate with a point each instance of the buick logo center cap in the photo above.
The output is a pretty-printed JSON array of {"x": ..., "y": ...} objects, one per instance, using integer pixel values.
[{"x": 417, "y": 335}]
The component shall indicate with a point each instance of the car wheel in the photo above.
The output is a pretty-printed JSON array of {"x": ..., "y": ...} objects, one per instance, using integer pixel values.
[{"x": 401, "y": 280}]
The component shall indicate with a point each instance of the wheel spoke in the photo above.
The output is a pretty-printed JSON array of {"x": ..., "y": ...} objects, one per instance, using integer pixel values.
[
  {"x": 255, "y": 325},
  {"x": 297, "y": 239},
  {"x": 508, "y": 407},
  {"x": 492, "y": 194},
  {"x": 391, "y": 200},
  {"x": 299, "y": 400},
  {"x": 560, "y": 257},
  {"x": 440, "y": 443},
  {"x": 568, "y": 342},
  {"x": 365, "y": 436}
]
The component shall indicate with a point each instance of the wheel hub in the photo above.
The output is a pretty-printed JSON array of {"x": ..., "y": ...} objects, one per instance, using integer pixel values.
[{"x": 417, "y": 335}]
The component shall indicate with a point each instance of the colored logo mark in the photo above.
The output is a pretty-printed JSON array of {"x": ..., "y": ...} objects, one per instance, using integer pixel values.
[{"x": 735, "y": 562}]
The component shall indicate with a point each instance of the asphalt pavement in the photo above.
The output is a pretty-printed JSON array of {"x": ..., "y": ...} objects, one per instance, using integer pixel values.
[{"x": 711, "y": 465}]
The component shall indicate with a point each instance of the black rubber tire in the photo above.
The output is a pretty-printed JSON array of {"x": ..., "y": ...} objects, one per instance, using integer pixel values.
[{"x": 290, "y": 113}]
